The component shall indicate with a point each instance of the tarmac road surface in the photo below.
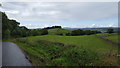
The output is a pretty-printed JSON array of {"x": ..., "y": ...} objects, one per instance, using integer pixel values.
[{"x": 13, "y": 56}]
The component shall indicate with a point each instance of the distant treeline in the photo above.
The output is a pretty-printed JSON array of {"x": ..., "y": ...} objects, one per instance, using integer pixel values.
[
  {"x": 87, "y": 32},
  {"x": 82, "y": 32},
  {"x": 11, "y": 29},
  {"x": 53, "y": 27}
]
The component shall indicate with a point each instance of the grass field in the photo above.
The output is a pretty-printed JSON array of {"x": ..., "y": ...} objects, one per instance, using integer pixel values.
[
  {"x": 55, "y": 50},
  {"x": 114, "y": 37},
  {"x": 90, "y": 41},
  {"x": 107, "y": 34}
]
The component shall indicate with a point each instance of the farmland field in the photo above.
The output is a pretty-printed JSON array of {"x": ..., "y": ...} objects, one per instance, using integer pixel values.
[
  {"x": 90, "y": 41},
  {"x": 60, "y": 34},
  {"x": 58, "y": 50},
  {"x": 114, "y": 38},
  {"x": 107, "y": 34}
]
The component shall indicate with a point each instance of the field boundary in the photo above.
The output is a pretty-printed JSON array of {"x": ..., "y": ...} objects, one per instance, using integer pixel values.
[{"x": 110, "y": 41}]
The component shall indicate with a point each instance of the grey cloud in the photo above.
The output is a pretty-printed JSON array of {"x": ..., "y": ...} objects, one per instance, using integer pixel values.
[
  {"x": 57, "y": 12},
  {"x": 91, "y": 11}
]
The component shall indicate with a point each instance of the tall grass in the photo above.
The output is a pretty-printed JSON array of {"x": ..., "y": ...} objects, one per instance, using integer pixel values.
[
  {"x": 54, "y": 50},
  {"x": 45, "y": 53}
]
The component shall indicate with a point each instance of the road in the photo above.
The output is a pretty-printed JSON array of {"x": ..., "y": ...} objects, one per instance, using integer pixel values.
[
  {"x": 13, "y": 56},
  {"x": 0, "y": 53}
]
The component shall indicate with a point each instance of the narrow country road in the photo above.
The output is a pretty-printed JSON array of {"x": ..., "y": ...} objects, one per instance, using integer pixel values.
[
  {"x": 13, "y": 56},
  {"x": 0, "y": 53}
]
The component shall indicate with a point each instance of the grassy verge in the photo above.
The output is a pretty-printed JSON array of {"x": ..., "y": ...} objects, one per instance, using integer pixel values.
[
  {"x": 45, "y": 53},
  {"x": 53, "y": 50}
]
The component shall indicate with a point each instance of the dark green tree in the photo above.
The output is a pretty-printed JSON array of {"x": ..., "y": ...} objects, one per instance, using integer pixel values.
[
  {"x": 110, "y": 30},
  {"x": 88, "y": 32},
  {"x": 77, "y": 32},
  {"x": 7, "y": 34},
  {"x": 44, "y": 32},
  {"x": 68, "y": 34}
]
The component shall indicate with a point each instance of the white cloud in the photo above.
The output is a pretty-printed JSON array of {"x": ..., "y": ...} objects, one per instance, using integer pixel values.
[
  {"x": 32, "y": 26},
  {"x": 112, "y": 25},
  {"x": 71, "y": 26},
  {"x": 55, "y": 12},
  {"x": 12, "y": 12},
  {"x": 107, "y": 25},
  {"x": 93, "y": 25},
  {"x": 59, "y": 0}
]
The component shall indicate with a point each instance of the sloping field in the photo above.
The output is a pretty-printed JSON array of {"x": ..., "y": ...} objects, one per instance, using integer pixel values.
[
  {"x": 87, "y": 41},
  {"x": 114, "y": 38},
  {"x": 55, "y": 50},
  {"x": 111, "y": 38},
  {"x": 106, "y": 34}
]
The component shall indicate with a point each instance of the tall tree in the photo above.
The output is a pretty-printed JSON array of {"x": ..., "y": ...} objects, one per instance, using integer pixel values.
[
  {"x": 77, "y": 32},
  {"x": 110, "y": 30},
  {"x": 7, "y": 34}
]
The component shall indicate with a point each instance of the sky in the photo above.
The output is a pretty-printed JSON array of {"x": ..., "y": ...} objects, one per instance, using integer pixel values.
[{"x": 65, "y": 14}]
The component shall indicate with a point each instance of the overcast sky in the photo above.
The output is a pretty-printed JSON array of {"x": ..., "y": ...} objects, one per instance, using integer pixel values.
[{"x": 66, "y": 14}]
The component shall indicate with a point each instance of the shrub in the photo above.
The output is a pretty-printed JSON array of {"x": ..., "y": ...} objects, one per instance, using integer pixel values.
[
  {"x": 80, "y": 56},
  {"x": 110, "y": 30}
]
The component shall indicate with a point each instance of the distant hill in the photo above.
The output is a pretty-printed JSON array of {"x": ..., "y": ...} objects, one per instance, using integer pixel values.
[
  {"x": 58, "y": 31},
  {"x": 102, "y": 29}
]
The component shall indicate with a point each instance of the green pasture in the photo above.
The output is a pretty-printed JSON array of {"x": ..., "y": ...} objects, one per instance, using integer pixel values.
[
  {"x": 87, "y": 41},
  {"x": 114, "y": 38},
  {"x": 56, "y": 50}
]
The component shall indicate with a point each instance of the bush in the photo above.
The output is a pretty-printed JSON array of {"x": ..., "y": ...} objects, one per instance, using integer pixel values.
[
  {"x": 80, "y": 56},
  {"x": 44, "y": 32},
  {"x": 7, "y": 34},
  {"x": 77, "y": 32},
  {"x": 83, "y": 32},
  {"x": 110, "y": 30},
  {"x": 59, "y": 34},
  {"x": 68, "y": 34}
]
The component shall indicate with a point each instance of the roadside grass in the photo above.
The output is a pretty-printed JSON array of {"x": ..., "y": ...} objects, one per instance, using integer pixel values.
[
  {"x": 55, "y": 50},
  {"x": 45, "y": 53}
]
